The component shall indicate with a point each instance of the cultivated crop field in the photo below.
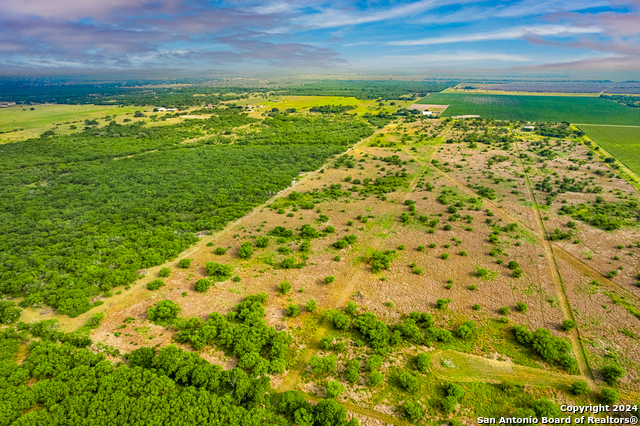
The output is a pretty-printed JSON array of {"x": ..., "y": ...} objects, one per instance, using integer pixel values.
[
  {"x": 622, "y": 142},
  {"x": 536, "y": 108}
]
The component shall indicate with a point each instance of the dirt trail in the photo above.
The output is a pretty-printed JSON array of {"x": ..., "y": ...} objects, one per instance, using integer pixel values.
[{"x": 576, "y": 340}]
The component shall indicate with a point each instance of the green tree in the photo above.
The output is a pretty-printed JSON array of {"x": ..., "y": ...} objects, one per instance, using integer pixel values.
[
  {"x": 164, "y": 272},
  {"x": 164, "y": 310},
  {"x": 202, "y": 285},
  {"x": 184, "y": 263},
  {"x": 334, "y": 389},
  {"x": 409, "y": 382},
  {"x": 155, "y": 284},
  {"x": 246, "y": 250},
  {"x": 284, "y": 287},
  {"x": 612, "y": 374}
]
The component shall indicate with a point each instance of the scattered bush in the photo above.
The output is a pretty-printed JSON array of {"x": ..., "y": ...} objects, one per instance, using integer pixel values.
[
  {"x": 219, "y": 271},
  {"x": 374, "y": 362},
  {"x": 293, "y": 310},
  {"x": 612, "y": 374},
  {"x": 164, "y": 310},
  {"x": 376, "y": 378},
  {"x": 164, "y": 272},
  {"x": 202, "y": 285},
  {"x": 246, "y": 250},
  {"x": 568, "y": 325},
  {"x": 422, "y": 362},
  {"x": 505, "y": 310},
  {"x": 155, "y": 284},
  {"x": 580, "y": 387},
  {"x": 413, "y": 410},
  {"x": 220, "y": 251},
  {"x": 334, "y": 389},
  {"x": 609, "y": 396},
  {"x": 442, "y": 303},
  {"x": 284, "y": 287},
  {"x": 449, "y": 404},
  {"x": 184, "y": 263},
  {"x": 329, "y": 279},
  {"x": 311, "y": 305},
  {"x": 522, "y": 307},
  {"x": 409, "y": 382}
]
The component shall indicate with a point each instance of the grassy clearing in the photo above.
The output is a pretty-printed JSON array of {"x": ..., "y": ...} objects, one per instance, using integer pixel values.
[
  {"x": 306, "y": 102},
  {"x": 44, "y": 117},
  {"x": 621, "y": 142},
  {"x": 536, "y": 108},
  {"x": 460, "y": 367}
]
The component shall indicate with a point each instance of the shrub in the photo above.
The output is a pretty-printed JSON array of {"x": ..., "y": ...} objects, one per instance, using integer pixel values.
[
  {"x": 568, "y": 325},
  {"x": 413, "y": 410},
  {"x": 284, "y": 287},
  {"x": 422, "y": 362},
  {"x": 219, "y": 271},
  {"x": 246, "y": 250},
  {"x": 448, "y": 227},
  {"x": 164, "y": 272},
  {"x": 579, "y": 387},
  {"x": 444, "y": 256},
  {"x": 321, "y": 365},
  {"x": 546, "y": 408},
  {"x": 420, "y": 248},
  {"x": 202, "y": 285},
  {"x": 334, "y": 389},
  {"x": 451, "y": 389},
  {"x": 522, "y": 307},
  {"x": 476, "y": 307},
  {"x": 376, "y": 378},
  {"x": 505, "y": 310},
  {"x": 351, "y": 308},
  {"x": 220, "y": 251},
  {"x": 374, "y": 362},
  {"x": 155, "y": 284},
  {"x": 262, "y": 242},
  {"x": 311, "y": 305},
  {"x": 612, "y": 374},
  {"x": 409, "y": 382},
  {"x": 288, "y": 263},
  {"x": 340, "y": 321},
  {"x": 9, "y": 312},
  {"x": 164, "y": 310},
  {"x": 329, "y": 279},
  {"x": 449, "y": 404},
  {"x": 466, "y": 330},
  {"x": 513, "y": 265},
  {"x": 442, "y": 303},
  {"x": 609, "y": 396},
  {"x": 184, "y": 263},
  {"x": 293, "y": 310},
  {"x": 352, "y": 371}
]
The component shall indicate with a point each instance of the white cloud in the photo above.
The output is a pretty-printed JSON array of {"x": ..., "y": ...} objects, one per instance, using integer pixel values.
[{"x": 506, "y": 34}]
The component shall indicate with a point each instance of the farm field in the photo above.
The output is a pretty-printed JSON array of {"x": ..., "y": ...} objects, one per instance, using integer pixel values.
[
  {"x": 536, "y": 108},
  {"x": 44, "y": 117},
  {"x": 254, "y": 263},
  {"x": 622, "y": 142}
]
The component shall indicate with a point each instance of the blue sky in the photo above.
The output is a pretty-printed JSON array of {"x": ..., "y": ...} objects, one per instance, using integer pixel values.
[{"x": 419, "y": 36}]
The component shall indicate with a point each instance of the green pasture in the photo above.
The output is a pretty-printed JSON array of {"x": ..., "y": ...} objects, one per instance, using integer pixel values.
[
  {"x": 460, "y": 367},
  {"x": 622, "y": 142},
  {"x": 46, "y": 117},
  {"x": 576, "y": 110},
  {"x": 306, "y": 102}
]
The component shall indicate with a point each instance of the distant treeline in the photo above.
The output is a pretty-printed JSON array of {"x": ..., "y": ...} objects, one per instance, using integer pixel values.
[
  {"x": 630, "y": 101},
  {"x": 119, "y": 94},
  {"x": 370, "y": 89}
]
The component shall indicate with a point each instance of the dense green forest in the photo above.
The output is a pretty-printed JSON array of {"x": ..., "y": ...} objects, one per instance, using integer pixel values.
[
  {"x": 369, "y": 89},
  {"x": 63, "y": 383},
  {"x": 81, "y": 213}
]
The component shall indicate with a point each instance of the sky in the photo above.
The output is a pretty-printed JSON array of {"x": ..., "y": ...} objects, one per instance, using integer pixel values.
[{"x": 43, "y": 37}]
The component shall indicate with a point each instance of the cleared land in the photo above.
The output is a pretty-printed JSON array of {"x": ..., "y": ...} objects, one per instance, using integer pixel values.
[
  {"x": 536, "y": 108},
  {"x": 20, "y": 122},
  {"x": 621, "y": 142}
]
